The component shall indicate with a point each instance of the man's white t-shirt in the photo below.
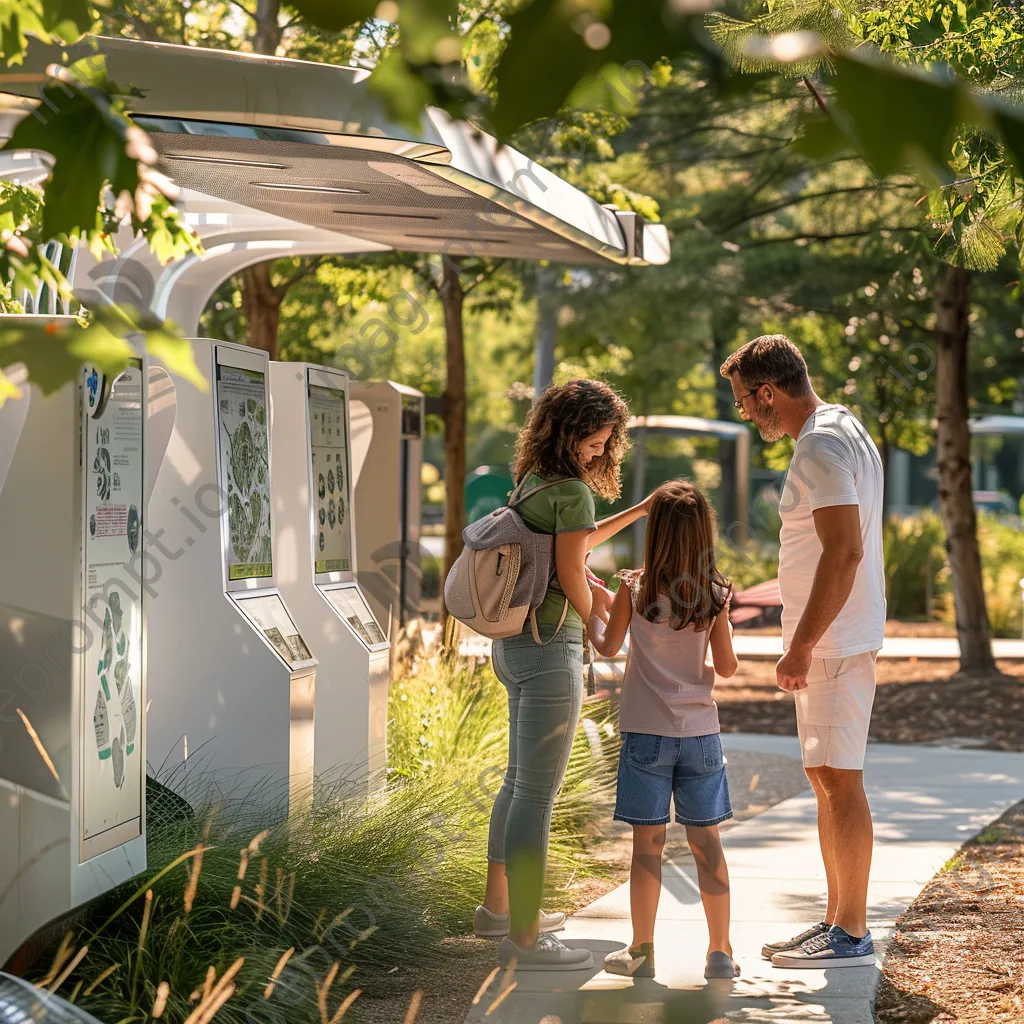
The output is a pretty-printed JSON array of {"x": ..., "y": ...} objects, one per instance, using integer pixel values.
[{"x": 835, "y": 462}]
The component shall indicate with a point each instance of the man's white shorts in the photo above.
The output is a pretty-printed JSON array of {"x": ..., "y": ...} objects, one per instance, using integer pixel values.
[{"x": 834, "y": 710}]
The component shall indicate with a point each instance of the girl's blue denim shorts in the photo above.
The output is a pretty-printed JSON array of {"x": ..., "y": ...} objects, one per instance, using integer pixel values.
[{"x": 654, "y": 769}]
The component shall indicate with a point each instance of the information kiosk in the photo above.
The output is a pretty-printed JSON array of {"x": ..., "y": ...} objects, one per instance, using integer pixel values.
[
  {"x": 231, "y": 677},
  {"x": 315, "y": 543},
  {"x": 72, "y": 643},
  {"x": 387, "y": 459}
]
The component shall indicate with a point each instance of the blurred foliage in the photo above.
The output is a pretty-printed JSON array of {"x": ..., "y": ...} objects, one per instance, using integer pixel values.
[{"x": 917, "y": 575}]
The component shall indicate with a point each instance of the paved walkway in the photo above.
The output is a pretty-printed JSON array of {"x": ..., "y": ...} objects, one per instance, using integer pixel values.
[
  {"x": 758, "y": 646},
  {"x": 924, "y": 647},
  {"x": 926, "y": 803}
]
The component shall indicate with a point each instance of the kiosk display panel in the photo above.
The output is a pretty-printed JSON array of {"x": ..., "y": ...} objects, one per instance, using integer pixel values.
[
  {"x": 357, "y": 614},
  {"x": 269, "y": 615},
  {"x": 114, "y": 502},
  {"x": 331, "y": 488},
  {"x": 245, "y": 470}
]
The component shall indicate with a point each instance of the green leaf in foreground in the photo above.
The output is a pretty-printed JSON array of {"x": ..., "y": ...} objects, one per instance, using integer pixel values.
[
  {"x": 898, "y": 117},
  {"x": 86, "y": 137},
  {"x": 53, "y": 355}
]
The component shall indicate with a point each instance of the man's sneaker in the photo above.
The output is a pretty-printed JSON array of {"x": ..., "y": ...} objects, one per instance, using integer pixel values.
[
  {"x": 835, "y": 948},
  {"x": 547, "y": 954},
  {"x": 493, "y": 926},
  {"x": 769, "y": 949},
  {"x": 637, "y": 962}
]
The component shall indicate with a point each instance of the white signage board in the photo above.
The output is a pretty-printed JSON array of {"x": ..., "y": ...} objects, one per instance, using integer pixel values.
[
  {"x": 245, "y": 470},
  {"x": 113, "y": 769},
  {"x": 269, "y": 615},
  {"x": 332, "y": 492},
  {"x": 357, "y": 614}
]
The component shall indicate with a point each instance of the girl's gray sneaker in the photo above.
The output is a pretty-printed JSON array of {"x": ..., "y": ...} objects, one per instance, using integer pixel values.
[
  {"x": 721, "y": 965},
  {"x": 547, "y": 954},
  {"x": 493, "y": 926}
]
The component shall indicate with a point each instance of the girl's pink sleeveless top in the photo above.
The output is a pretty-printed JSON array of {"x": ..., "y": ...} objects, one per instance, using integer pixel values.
[{"x": 666, "y": 689}]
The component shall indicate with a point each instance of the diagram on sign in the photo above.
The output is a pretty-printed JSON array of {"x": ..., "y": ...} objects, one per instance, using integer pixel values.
[
  {"x": 114, "y": 495},
  {"x": 114, "y": 715},
  {"x": 329, "y": 467},
  {"x": 246, "y": 470}
]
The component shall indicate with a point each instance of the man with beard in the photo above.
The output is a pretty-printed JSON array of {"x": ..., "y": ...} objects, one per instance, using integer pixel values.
[{"x": 832, "y": 581}]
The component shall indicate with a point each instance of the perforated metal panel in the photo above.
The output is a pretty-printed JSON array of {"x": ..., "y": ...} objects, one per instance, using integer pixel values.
[{"x": 377, "y": 196}]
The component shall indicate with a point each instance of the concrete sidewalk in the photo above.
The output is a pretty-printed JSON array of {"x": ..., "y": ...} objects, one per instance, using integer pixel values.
[
  {"x": 759, "y": 646},
  {"x": 926, "y": 802},
  {"x": 924, "y": 647}
]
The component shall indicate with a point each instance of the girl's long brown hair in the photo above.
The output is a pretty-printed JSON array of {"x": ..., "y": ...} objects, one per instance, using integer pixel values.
[
  {"x": 562, "y": 418},
  {"x": 679, "y": 580}
]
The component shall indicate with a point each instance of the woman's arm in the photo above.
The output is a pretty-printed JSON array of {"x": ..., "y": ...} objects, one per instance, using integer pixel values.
[
  {"x": 571, "y": 567},
  {"x": 607, "y": 528},
  {"x": 607, "y": 631},
  {"x": 722, "y": 653}
]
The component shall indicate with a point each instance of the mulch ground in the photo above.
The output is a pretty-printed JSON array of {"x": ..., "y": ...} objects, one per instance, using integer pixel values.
[
  {"x": 957, "y": 953},
  {"x": 917, "y": 701}
]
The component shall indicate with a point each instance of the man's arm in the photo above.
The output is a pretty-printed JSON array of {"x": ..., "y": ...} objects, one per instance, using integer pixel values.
[{"x": 838, "y": 529}]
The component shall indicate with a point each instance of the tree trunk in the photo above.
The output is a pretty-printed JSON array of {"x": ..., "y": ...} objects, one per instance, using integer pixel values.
[
  {"x": 952, "y": 334},
  {"x": 454, "y": 420},
  {"x": 267, "y": 37},
  {"x": 262, "y": 304},
  {"x": 544, "y": 362}
]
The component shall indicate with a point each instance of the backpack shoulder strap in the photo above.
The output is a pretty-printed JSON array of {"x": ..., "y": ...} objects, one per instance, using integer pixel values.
[{"x": 517, "y": 499}]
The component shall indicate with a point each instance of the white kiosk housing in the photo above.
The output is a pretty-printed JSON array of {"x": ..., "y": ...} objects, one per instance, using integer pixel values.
[
  {"x": 72, "y": 643},
  {"x": 231, "y": 677},
  {"x": 275, "y": 158},
  {"x": 387, "y": 446},
  {"x": 315, "y": 540}
]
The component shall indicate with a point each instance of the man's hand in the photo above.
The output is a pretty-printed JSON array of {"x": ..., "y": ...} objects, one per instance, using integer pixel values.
[{"x": 791, "y": 671}]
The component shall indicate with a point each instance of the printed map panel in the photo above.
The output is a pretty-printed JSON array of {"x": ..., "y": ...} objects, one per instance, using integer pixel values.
[
  {"x": 332, "y": 499},
  {"x": 245, "y": 470}
]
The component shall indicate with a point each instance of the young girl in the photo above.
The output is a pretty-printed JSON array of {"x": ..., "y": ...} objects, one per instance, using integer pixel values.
[
  {"x": 674, "y": 608},
  {"x": 575, "y": 435}
]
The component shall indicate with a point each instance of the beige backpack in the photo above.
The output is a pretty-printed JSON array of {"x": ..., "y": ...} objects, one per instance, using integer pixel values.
[{"x": 503, "y": 573}]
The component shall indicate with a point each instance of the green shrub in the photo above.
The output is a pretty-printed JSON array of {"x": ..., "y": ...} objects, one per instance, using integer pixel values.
[
  {"x": 1002, "y": 560},
  {"x": 430, "y": 581},
  {"x": 916, "y": 573},
  {"x": 756, "y": 562}
]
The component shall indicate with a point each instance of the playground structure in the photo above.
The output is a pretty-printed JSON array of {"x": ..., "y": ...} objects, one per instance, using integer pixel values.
[
  {"x": 275, "y": 158},
  {"x": 733, "y": 458}
]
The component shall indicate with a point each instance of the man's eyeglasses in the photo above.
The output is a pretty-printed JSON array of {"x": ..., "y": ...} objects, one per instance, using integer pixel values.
[{"x": 753, "y": 391}]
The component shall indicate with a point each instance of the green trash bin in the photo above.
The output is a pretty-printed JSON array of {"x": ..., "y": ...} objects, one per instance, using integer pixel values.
[{"x": 487, "y": 488}]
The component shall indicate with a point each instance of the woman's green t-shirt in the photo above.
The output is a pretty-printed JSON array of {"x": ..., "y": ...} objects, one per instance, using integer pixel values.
[{"x": 563, "y": 508}]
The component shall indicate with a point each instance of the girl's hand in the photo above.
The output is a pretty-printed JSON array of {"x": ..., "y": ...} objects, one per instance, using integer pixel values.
[
  {"x": 592, "y": 579},
  {"x": 603, "y": 599}
]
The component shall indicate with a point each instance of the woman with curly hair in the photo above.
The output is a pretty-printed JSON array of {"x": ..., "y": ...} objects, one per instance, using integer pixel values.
[{"x": 575, "y": 435}]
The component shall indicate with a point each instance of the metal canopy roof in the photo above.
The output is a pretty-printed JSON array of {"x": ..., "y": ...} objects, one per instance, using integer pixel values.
[
  {"x": 309, "y": 143},
  {"x": 689, "y": 425}
]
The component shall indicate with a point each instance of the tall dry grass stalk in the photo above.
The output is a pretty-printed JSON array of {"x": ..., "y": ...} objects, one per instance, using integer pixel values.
[{"x": 407, "y": 866}]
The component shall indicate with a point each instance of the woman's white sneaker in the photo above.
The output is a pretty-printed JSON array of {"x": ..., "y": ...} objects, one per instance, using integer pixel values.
[
  {"x": 494, "y": 926},
  {"x": 547, "y": 954}
]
